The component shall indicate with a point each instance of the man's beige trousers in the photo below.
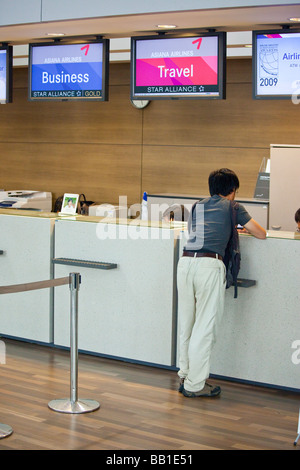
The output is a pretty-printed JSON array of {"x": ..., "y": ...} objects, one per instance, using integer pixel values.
[{"x": 201, "y": 292}]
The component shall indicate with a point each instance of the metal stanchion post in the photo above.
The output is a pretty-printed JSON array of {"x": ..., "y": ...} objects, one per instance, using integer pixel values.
[
  {"x": 73, "y": 405},
  {"x": 297, "y": 438},
  {"x": 5, "y": 430}
]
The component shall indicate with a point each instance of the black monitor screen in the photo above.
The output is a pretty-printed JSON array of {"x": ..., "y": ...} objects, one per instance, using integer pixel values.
[
  {"x": 5, "y": 74},
  {"x": 276, "y": 64},
  {"x": 69, "y": 71},
  {"x": 178, "y": 67}
]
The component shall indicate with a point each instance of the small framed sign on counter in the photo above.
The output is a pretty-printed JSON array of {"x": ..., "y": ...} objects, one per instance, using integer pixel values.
[{"x": 69, "y": 204}]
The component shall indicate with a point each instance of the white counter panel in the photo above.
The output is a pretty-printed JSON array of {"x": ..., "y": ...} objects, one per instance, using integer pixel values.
[
  {"x": 255, "y": 339},
  {"x": 27, "y": 243},
  {"x": 127, "y": 312}
]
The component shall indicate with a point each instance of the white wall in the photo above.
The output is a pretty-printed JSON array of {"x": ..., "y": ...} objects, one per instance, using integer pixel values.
[
  {"x": 20, "y": 11},
  {"x": 32, "y": 11}
]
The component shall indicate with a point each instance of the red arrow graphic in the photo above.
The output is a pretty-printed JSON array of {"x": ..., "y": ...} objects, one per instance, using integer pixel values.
[
  {"x": 87, "y": 49},
  {"x": 197, "y": 41}
]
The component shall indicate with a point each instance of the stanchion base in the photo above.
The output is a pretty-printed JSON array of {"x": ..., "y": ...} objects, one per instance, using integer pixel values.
[
  {"x": 5, "y": 430},
  {"x": 67, "y": 406}
]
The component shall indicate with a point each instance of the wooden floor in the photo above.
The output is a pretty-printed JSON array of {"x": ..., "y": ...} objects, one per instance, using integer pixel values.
[{"x": 140, "y": 408}]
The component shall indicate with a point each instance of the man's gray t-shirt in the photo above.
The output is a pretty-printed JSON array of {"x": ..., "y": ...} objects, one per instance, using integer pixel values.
[{"x": 209, "y": 225}]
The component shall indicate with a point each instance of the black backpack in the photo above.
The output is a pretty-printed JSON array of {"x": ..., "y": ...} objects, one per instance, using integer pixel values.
[{"x": 232, "y": 257}]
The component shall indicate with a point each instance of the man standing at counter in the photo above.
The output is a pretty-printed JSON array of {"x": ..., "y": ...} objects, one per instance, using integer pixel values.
[{"x": 201, "y": 280}]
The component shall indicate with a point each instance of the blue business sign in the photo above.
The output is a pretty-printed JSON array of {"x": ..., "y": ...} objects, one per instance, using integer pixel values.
[{"x": 68, "y": 71}]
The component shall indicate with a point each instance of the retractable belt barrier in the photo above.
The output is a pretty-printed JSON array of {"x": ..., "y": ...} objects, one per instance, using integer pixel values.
[
  {"x": 73, "y": 404},
  {"x": 34, "y": 285}
]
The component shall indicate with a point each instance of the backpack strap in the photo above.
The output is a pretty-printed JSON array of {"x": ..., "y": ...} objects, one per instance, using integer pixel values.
[
  {"x": 234, "y": 206},
  {"x": 191, "y": 217}
]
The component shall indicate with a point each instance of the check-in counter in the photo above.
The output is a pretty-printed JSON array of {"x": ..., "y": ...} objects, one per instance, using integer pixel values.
[
  {"x": 127, "y": 296},
  {"x": 127, "y": 300},
  {"x": 259, "y": 338},
  {"x": 26, "y": 244},
  {"x": 260, "y": 333}
]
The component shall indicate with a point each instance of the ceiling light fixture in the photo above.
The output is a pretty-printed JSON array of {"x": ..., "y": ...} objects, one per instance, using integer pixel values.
[
  {"x": 55, "y": 35},
  {"x": 294, "y": 19},
  {"x": 166, "y": 26}
]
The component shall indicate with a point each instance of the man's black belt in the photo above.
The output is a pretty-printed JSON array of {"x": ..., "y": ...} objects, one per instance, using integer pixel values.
[{"x": 199, "y": 254}]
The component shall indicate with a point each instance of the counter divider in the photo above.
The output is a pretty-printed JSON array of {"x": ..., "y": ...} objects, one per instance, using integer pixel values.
[
  {"x": 246, "y": 282},
  {"x": 84, "y": 263}
]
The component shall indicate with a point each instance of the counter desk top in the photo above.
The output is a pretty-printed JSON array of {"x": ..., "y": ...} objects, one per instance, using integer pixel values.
[
  {"x": 280, "y": 234},
  {"x": 197, "y": 197},
  {"x": 29, "y": 213}
]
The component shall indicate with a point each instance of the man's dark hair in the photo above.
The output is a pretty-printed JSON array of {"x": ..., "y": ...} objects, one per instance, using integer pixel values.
[
  {"x": 223, "y": 182},
  {"x": 297, "y": 216}
]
